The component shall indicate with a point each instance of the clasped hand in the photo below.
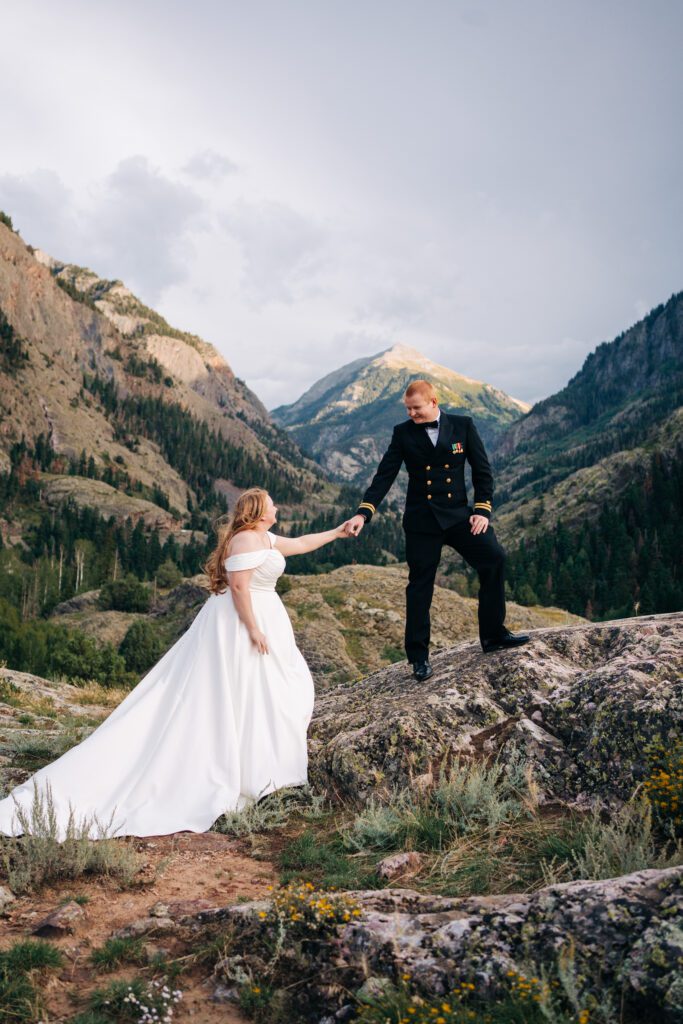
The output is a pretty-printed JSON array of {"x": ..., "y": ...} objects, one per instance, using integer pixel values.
[{"x": 352, "y": 527}]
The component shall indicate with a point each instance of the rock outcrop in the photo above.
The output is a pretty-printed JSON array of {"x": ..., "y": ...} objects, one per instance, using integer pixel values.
[
  {"x": 618, "y": 939},
  {"x": 580, "y": 702}
]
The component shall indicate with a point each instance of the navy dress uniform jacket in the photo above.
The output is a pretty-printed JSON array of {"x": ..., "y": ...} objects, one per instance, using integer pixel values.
[{"x": 437, "y": 496}]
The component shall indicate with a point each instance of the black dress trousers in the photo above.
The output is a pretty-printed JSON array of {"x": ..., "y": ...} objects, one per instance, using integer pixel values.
[{"x": 482, "y": 551}]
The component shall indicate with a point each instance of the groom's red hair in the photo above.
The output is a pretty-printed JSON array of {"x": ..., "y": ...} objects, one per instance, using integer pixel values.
[{"x": 423, "y": 388}]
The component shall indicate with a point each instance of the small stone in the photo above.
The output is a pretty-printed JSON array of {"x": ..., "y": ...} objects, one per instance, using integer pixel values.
[
  {"x": 223, "y": 994},
  {"x": 144, "y": 925},
  {"x": 159, "y": 909},
  {"x": 6, "y": 897},
  {"x": 60, "y": 921},
  {"x": 403, "y": 864},
  {"x": 153, "y": 952},
  {"x": 373, "y": 987}
]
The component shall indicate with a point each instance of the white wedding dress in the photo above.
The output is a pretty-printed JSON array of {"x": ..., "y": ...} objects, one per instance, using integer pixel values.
[{"x": 212, "y": 726}]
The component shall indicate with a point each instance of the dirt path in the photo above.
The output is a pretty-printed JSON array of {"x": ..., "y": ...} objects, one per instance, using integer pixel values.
[{"x": 188, "y": 866}]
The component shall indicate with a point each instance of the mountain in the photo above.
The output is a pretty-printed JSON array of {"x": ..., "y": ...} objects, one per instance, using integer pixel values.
[
  {"x": 122, "y": 440},
  {"x": 595, "y": 438},
  {"x": 589, "y": 484},
  {"x": 89, "y": 373},
  {"x": 345, "y": 419}
]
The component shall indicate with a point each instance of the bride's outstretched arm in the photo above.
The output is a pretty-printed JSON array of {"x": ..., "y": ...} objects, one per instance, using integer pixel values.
[{"x": 309, "y": 542}]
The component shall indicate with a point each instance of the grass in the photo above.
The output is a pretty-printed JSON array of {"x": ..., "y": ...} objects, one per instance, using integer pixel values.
[
  {"x": 104, "y": 696},
  {"x": 19, "y": 999},
  {"x": 483, "y": 832},
  {"x": 34, "y": 752},
  {"x": 393, "y": 654},
  {"x": 334, "y": 597},
  {"x": 16, "y": 697},
  {"x": 271, "y": 812},
  {"x": 115, "y": 952},
  {"x": 42, "y": 855},
  {"x": 312, "y": 856}
]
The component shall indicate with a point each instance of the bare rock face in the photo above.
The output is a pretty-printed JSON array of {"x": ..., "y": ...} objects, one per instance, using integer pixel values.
[{"x": 580, "y": 702}]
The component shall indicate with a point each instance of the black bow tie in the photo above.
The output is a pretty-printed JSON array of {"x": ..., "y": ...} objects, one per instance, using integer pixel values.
[{"x": 428, "y": 425}]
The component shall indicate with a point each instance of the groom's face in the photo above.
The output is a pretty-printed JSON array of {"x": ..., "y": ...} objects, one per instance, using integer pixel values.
[{"x": 421, "y": 409}]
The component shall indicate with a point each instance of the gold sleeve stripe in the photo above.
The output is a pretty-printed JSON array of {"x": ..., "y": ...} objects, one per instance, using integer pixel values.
[
  {"x": 366, "y": 504},
  {"x": 483, "y": 504}
]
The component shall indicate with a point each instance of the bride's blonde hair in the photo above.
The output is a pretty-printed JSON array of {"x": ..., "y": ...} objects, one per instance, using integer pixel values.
[{"x": 249, "y": 508}]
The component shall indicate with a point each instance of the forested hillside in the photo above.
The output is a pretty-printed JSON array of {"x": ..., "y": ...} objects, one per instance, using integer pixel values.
[{"x": 589, "y": 493}]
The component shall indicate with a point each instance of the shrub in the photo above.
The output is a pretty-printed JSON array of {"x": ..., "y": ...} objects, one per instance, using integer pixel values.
[
  {"x": 53, "y": 650},
  {"x": 664, "y": 785},
  {"x": 141, "y": 647},
  {"x": 168, "y": 574},
  {"x": 621, "y": 846},
  {"x": 466, "y": 800},
  {"x": 283, "y": 585},
  {"x": 270, "y": 812},
  {"x": 128, "y": 594},
  {"x": 40, "y": 855},
  {"x": 129, "y": 1001}
]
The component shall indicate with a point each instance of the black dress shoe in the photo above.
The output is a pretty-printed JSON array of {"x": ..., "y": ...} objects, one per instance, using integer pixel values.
[
  {"x": 507, "y": 639},
  {"x": 422, "y": 670}
]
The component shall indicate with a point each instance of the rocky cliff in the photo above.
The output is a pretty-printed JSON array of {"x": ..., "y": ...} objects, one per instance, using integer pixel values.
[{"x": 61, "y": 322}]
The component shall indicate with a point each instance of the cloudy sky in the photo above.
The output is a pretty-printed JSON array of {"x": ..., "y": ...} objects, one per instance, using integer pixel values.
[{"x": 497, "y": 183}]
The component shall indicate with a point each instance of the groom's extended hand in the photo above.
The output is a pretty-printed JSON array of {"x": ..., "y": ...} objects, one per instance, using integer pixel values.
[
  {"x": 479, "y": 524},
  {"x": 354, "y": 526}
]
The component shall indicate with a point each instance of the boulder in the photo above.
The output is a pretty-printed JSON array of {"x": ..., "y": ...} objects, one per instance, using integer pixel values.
[{"x": 580, "y": 702}]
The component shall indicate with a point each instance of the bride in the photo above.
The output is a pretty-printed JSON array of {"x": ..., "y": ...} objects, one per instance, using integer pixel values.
[{"x": 217, "y": 723}]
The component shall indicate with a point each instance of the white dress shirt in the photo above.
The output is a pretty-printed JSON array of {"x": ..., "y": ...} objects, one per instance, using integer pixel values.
[{"x": 433, "y": 432}]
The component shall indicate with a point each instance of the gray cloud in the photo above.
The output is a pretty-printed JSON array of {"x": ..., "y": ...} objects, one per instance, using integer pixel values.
[
  {"x": 42, "y": 209},
  {"x": 209, "y": 166},
  {"x": 497, "y": 185},
  {"x": 135, "y": 224},
  {"x": 282, "y": 250},
  {"x": 141, "y": 224}
]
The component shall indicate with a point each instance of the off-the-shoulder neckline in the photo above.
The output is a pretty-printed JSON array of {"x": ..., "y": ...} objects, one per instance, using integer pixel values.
[{"x": 249, "y": 551}]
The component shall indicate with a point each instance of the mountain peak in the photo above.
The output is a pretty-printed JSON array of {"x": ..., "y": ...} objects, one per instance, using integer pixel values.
[
  {"x": 345, "y": 418},
  {"x": 405, "y": 357}
]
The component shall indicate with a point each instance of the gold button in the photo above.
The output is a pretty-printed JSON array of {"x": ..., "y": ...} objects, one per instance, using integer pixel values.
[
  {"x": 448, "y": 479},
  {"x": 446, "y": 466},
  {"x": 429, "y": 497},
  {"x": 429, "y": 482},
  {"x": 428, "y": 467},
  {"x": 450, "y": 495}
]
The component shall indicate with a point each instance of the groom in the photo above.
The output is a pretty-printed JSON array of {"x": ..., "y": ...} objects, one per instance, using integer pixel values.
[{"x": 434, "y": 446}]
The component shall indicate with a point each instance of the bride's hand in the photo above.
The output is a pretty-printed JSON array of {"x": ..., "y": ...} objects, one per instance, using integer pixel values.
[
  {"x": 343, "y": 530},
  {"x": 259, "y": 640}
]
